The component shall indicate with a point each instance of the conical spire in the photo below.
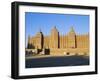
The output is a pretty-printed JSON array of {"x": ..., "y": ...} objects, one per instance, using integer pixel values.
[
  {"x": 39, "y": 33},
  {"x": 40, "y": 30},
  {"x": 72, "y": 29},
  {"x": 54, "y": 28}
]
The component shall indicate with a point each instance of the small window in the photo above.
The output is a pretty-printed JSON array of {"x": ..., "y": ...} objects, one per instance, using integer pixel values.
[{"x": 68, "y": 53}]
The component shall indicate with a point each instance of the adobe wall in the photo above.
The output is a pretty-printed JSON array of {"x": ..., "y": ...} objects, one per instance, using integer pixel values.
[{"x": 76, "y": 51}]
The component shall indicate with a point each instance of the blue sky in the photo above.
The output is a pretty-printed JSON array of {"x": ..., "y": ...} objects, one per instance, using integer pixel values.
[{"x": 46, "y": 21}]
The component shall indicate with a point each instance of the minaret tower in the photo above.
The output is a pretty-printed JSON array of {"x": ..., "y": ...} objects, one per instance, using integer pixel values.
[
  {"x": 39, "y": 40},
  {"x": 71, "y": 38},
  {"x": 54, "y": 38}
]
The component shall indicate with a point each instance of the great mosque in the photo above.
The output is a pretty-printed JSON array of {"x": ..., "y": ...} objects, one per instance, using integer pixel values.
[{"x": 56, "y": 44}]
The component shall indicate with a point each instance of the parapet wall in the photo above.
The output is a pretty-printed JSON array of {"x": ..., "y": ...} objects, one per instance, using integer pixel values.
[{"x": 76, "y": 51}]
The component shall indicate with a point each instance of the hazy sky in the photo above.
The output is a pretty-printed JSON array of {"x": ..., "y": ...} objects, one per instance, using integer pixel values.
[{"x": 46, "y": 21}]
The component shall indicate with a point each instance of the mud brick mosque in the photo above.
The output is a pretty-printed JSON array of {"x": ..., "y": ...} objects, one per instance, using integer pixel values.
[{"x": 56, "y": 44}]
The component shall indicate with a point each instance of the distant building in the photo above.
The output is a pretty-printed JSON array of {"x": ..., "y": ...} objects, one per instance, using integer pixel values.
[{"x": 57, "y": 44}]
